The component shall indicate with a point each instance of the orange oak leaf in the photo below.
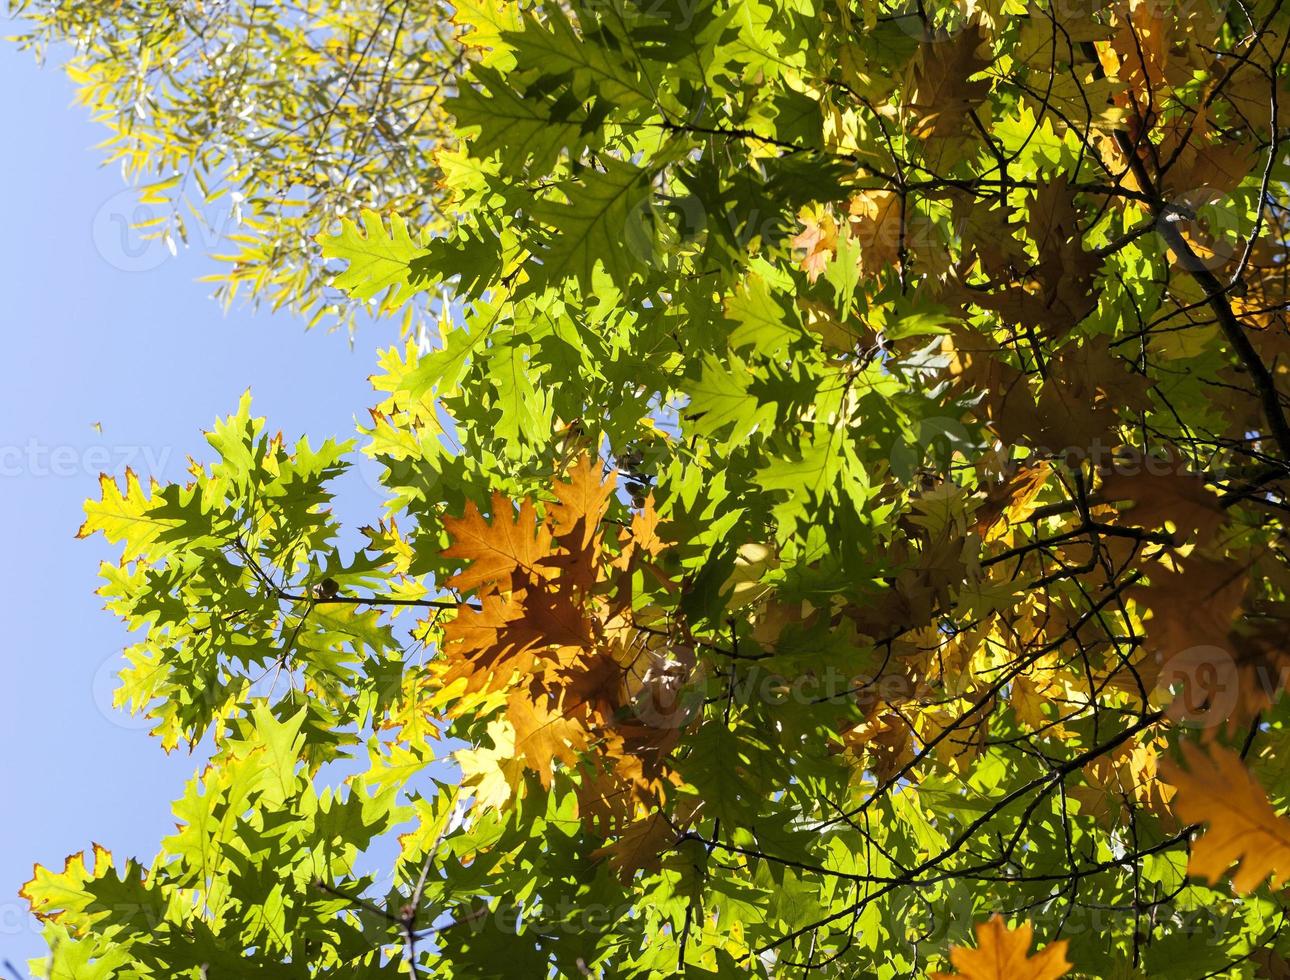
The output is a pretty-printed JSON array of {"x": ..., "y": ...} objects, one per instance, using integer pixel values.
[
  {"x": 581, "y": 502},
  {"x": 486, "y": 646},
  {"x": 543, "y": 733},
  {"x": 819, "y": 239},
  {"x": 1217, "y": 789},
  {"x": 513, "y": 542},
  {"x": 1004, "y": 954},
  {"x": 642, "y": 542},
  {"x": 554, "y": 614},
  {"x": 880, "y": 227}
]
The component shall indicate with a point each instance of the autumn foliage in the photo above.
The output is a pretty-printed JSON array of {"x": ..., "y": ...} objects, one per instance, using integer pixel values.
[{"x": 837, "y": 531}]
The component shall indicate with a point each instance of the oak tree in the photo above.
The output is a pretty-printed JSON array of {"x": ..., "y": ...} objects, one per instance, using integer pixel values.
[{"x": 839, "y": 530}]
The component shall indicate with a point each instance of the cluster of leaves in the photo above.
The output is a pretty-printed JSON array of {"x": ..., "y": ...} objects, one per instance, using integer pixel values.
[
  {"x": 940, "y": 350},
  {"x": 246, "y": 125}
]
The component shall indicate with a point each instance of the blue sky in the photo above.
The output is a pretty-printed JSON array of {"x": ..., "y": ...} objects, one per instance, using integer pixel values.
[{"x": 103, "y": 329}]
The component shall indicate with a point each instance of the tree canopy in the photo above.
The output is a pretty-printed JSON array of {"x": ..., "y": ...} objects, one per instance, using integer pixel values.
[
  {"x": 246, "y": 124},
  {"x": 839, "y": 530}
]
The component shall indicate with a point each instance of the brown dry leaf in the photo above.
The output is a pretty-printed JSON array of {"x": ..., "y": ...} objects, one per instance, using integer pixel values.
[
  {"x": 943, "y": 97},
  {"x": 989, "y": 234},
  {"x": 1261, "y": 661},
  {"x": 1205, "y": 160},
  {"x": 1194, "y": 601},
  {"x": 1272, "y": 965},
  {"x": 1163, "y": 494},
  {"x": 1238, "y": 672},
  {"x": 1064, "y": 75},
  {"x": 1004, "y": 954},
  {"x": 1007, "y": 402},
  {"x": 1060, "y": 293},
  {"x": 1066, "y": 272},
  {"x": 1012, "y": 501},
  {"x": 1215, "y": 788},
  {"x": 1246, "y": 92},
  {"x": 560, "y": 616},
  {"x": 1086, "y": 393},
  {"x": 639, "y": 846}
]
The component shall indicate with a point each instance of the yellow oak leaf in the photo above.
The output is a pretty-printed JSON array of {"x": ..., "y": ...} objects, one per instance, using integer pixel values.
[
  {"x": 54, "y": 895},
  {"x": 483, "y": 23},
  {"x": 492, "y": 775},
  {"x": 125, "y": 516},
  {"x": 1028, "y": 701},
  {"x": 544, "y": 733},
  {"x": 1112, "y": 783}
]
